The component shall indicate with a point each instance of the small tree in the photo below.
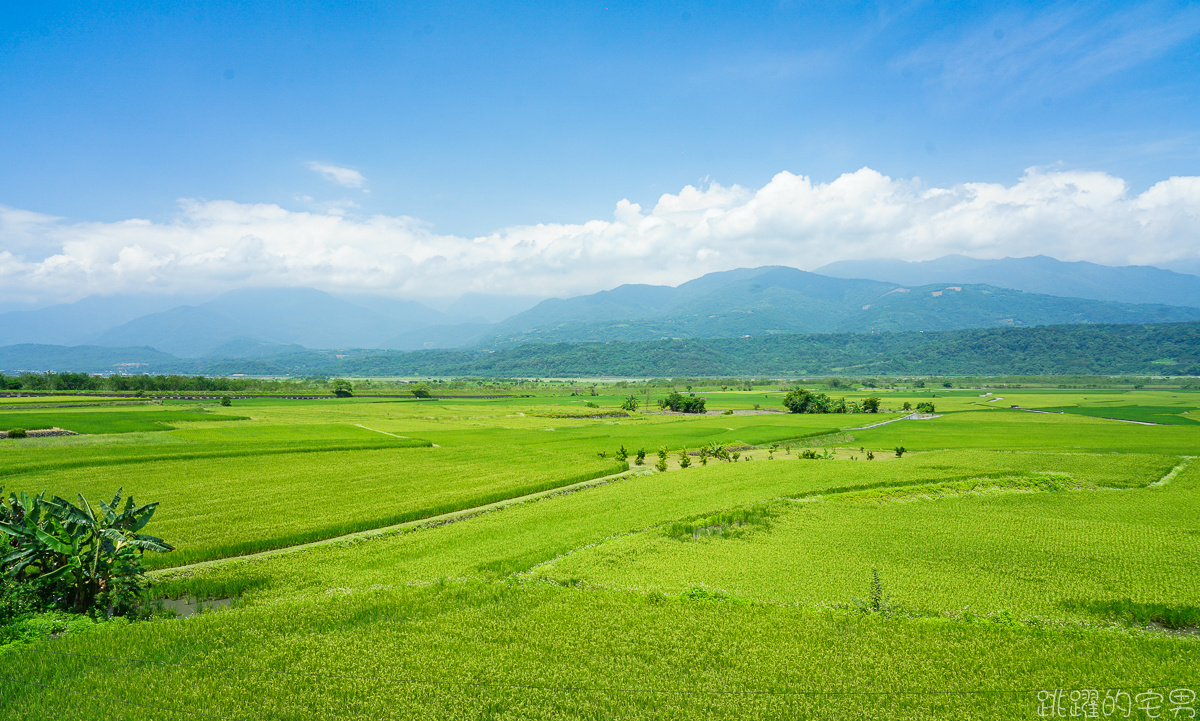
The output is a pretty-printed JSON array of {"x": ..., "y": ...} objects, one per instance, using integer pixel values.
[
  {"x": 226, "y": 401},
  {"x": 631, "y": 403},
  {"x": 421, "y": 390},
  {"x": 640, "y": 458},
  {"x": 342, "y": 388},
  {"x": 925, "y": 407},
  {"x": 621, "y": 453},
  {"x": 684, "y": 459},
  {"x": 870, "y": 405},
  {"x": 900, "y": 450}
]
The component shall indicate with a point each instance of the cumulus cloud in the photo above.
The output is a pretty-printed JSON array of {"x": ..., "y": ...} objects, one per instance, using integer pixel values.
[
  {"x": 792, "y": 220},
  {"x": 344, "y": 177}
]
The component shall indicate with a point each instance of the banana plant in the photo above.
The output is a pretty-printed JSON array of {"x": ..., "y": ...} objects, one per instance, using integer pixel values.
[{"x": 86, "y": 557}]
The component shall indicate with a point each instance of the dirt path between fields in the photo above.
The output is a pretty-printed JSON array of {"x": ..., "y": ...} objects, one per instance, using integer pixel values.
[{"x": 429, "y": 521}]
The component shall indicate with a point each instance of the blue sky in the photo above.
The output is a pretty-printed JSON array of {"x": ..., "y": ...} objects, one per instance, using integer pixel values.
[{"x": 481, "y": 117}]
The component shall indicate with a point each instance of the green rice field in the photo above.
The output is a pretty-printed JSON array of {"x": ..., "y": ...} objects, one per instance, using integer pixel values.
[{"x": 496, "y": 559}]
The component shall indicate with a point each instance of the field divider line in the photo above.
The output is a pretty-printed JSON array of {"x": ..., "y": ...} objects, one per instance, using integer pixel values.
[
  {"x": 910, "y": 416},
  {"x": 393, "y": 435},
  {"x": 1184, "y": 462},
  {"x": 440, "y": 519}
]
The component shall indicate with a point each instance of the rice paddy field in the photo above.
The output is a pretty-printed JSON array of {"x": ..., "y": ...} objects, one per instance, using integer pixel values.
[{"x": 1031, "y": 552}]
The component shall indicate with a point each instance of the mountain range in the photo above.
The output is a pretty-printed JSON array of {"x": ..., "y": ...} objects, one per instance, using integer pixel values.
[{"x": 950, "y": 293}]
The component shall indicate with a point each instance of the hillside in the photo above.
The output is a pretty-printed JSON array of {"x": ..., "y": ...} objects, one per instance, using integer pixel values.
[
  {"x": 1154, "y": 349},
  {"x": 1037, "y": 274}
]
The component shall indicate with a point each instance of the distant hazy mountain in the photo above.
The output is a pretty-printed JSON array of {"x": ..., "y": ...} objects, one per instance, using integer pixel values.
[
  {"x": 458, "y": 335},
  {"x": 1037, "y": 274},
  {"x": 255, "y": 319},
  {"x": 478, "y": 307},
  {"x": 187, "y": 331},
  {"x": 73, "y": 323},
  {"x": 39, "y": 358}
]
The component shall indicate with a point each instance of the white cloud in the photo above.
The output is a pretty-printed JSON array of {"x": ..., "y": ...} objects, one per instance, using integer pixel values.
[
  {"x": 344, "y": 177},
  {"x": 217, "y": 245}
]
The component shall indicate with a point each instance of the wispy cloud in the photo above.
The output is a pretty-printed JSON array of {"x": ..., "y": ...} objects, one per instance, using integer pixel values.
[
  {"x": 217, "y": 245},
  {"x": 344, "y": 177},
  {"x": 1061, "y": 48}
]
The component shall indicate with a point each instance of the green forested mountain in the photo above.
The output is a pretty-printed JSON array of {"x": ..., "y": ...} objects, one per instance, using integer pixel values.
[{"x": 1157, "y": 349}]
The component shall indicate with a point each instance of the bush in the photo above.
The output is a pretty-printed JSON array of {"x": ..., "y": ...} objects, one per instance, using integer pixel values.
[
  {"x": 226, "y": 401},
  {"x": 680, "y": 403},
  {"x": 17, "y": 600},
  {"x": 630, "y": 404},
  {"x": 76, "y": 559},
  {"x": 925, "y": 407},
  {"x": 900, "y": 450},
  {"x": 18, "y": 433},
  {"x": 640, "y": 458}
]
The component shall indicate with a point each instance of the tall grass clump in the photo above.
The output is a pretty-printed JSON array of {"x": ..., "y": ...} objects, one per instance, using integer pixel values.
[{"x": 726, "y": 524}]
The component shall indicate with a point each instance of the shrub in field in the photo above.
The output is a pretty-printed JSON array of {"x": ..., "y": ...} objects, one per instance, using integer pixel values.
[
  {"x": 343, "y": 389},
  {"x": 680, "y": 403},
  {"x": 661, "y": 466},
  {"x": 900, "y": 451},
  {"x": 870, "y": 405},
  {"x": 226, "y": 401},
  {"x": 18, "y": 433},
  {"x": 640, "y": 458},
  {"x": 75, "y": 558},
  {"x": 808, "y": 453},
  {"x": 879, "y": 602},
  {"x": 631, "y": 403},
  {"x": 621, "y": 453},
  {"x": 925, "y": 407},
  {"x": 726, "y": 524},
  {"x": 684, "y": 459}
]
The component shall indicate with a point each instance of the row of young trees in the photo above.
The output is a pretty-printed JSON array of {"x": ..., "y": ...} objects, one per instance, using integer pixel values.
[{"x": 147, "y": 383}]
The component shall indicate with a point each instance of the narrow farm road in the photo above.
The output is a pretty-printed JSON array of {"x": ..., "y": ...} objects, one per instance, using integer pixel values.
[{"x": 438, "y": 520}]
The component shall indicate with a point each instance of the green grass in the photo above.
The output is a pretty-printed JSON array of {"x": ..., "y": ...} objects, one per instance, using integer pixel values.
[
  {"x": 1027, "y": 552},
  {"x": 245, "y": 502},
  {"x": 992, "y": 545},
  {"x": 108, "y": 420},
  {"x": 475, "y": 650},
  {"x": 1170, "y": 415}
]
